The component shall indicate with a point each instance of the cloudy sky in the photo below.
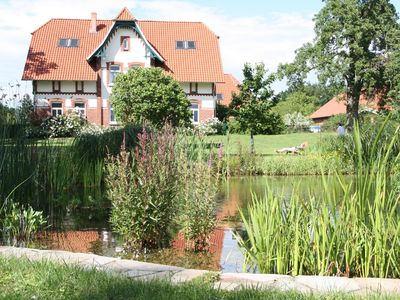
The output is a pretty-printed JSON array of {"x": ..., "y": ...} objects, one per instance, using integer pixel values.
[{"x": 250, "y": 31}]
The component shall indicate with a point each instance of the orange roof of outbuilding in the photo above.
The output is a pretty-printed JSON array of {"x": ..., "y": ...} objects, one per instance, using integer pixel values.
[
  {"x": 47, "y": 61},
  {"x": 227, "y": 88},
  {"x": 337, "y": 105}
]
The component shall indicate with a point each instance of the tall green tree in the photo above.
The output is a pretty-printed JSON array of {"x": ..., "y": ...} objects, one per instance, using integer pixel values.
[
  {"x": 252, "y": 106},
  {"x": 356, "y": 41},
  {"x": 148, "y": 95}
]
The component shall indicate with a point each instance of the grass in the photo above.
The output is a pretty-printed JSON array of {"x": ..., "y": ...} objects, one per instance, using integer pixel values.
[
  {"x": 23, "y": 279},
  {"x": 351, "y": 232},
  {"x": 268, "y": 144}
]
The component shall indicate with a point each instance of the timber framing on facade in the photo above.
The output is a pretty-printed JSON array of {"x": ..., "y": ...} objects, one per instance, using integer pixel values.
[{"x": 72, "y": 62}]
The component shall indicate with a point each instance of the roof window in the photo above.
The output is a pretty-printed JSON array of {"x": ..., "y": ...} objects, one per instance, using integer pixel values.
[
  {"x": 185, "y": 45},
  {"x": 69, "y": 43}
]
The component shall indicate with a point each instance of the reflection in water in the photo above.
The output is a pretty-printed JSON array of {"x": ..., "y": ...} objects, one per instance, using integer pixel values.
[{"x": 88, "y": 231}]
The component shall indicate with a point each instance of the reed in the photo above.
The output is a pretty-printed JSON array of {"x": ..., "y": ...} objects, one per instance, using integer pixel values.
[{"x": 354, "y": 232}]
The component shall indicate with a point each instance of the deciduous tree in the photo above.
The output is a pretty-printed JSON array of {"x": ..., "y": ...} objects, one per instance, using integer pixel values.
[
  {"x": 356, "y": 41},
  {"x": 252, "y": 106},
  {"x": 148, "y": 95}
]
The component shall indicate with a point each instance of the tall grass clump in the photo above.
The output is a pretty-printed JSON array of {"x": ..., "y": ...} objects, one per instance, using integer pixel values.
[
  {"x": 354, "y": 232},
  {"x": 198, "y": 190}
]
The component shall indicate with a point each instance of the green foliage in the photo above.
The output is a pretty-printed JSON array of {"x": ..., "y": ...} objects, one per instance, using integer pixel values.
[
  {"x": 222, "y": 112},
  {"x": 143, "y": 186},
  {"x": 252, "y": 107},
  {"x": 198, "y": 192},
  {"x": 297, "y": 101},
  {"x": 234, "y": 127},
  {"x": 147, "y": 95},
  {"x": 25, "y": 110},
  {"x": 18, "y": 224},
  {"x": 279, "y": 233},
  {"x": 308, "y": 164},
  {"x": 333, "y": 122},
  {"x": 7, "y": 115},
  {"x": 355, "y": 47}
]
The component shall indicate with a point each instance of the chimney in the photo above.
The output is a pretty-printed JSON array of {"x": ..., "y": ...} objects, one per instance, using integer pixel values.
[{"x": 93, "y": 25}]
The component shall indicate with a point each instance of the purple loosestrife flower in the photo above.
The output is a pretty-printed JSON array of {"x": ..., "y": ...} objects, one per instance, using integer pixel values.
[
  {"x": 221, "y": 151},
  {"x": 210, "y": 160}
]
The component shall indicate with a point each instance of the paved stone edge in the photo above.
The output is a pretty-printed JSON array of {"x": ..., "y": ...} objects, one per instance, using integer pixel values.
[{"x": 228, "y": 281}]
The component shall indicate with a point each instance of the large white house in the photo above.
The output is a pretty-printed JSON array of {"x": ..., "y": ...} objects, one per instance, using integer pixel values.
[{"x": 72, "y": 62}]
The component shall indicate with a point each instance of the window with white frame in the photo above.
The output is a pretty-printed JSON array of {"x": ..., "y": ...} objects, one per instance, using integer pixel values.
[
  {"x": 56, "y": 109},
  {"x": 195, "y": 112},
  {"x": 113, "y": 120},
  {"x": 68, "y": 43},
  {"x": 185, "y": 45},
  {"x": 114, "y": 71},
  {"x": 80, "y": 108}
]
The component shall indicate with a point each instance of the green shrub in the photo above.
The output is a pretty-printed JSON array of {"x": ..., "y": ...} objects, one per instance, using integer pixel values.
[
  {"x": 143, "y": 186},
  {"x": 332, "y": 123},
  {"x": 234, "y": 127},
  {"x": 211, "y": 126}
]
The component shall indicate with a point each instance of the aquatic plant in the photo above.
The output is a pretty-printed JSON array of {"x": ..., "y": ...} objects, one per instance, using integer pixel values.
[
  {"x": 18, "y": 223},
  {"x": 143, "y": 186},
  {"x": 352, "y": 233}
]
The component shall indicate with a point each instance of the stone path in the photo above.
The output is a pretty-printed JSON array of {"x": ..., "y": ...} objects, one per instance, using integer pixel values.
[{"x": 228, "y": 281}]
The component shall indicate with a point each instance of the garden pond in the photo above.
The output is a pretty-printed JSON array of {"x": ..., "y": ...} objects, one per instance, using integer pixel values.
[{"x": 82, "y": 228}]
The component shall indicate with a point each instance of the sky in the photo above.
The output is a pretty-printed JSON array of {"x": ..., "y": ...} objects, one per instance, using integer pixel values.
[{"x": 251, "y": 31}]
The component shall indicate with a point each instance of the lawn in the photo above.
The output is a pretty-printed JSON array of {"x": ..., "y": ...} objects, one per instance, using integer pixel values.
[
  {"x": 268, "y": 144},
  {"x": 22, "y": 279}
]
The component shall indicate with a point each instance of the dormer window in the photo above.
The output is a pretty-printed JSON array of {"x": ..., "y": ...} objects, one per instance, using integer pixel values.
[
  {"x": 68, "y": 43},
  {"x": 125, "y": 43},
  {"x": 185, "y": 45},
  {"x": 190, "y": 45}
]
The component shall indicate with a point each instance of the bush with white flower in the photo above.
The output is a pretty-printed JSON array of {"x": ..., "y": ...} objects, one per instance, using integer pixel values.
[
  {"x": 92, "y": 129},
  {"x": 296, "y": 121},
  {"x": 211, "y": 126},
  {"x": 63, "y": 125}
]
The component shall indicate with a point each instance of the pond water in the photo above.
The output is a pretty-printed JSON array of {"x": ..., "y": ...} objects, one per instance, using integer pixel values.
[{"x": 87, "y": 230}]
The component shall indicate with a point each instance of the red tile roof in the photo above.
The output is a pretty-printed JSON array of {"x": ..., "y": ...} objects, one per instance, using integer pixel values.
[
  {"x": 229, "y": 86},
  {"x": 202, "y": 64},
  {"x": 47, "y": 61},
  {"x": 125, "y": 15},
  {"x": 337, "y": 105}
]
